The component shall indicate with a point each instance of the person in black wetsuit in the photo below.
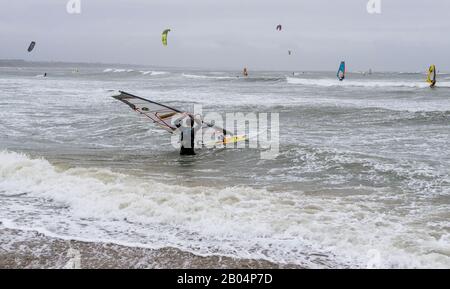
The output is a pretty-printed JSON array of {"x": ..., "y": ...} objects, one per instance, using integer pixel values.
[{"x": 187, "y": 137}]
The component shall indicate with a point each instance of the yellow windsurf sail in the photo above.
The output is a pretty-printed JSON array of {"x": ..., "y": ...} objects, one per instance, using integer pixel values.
[{"x": 431, "y": 79}]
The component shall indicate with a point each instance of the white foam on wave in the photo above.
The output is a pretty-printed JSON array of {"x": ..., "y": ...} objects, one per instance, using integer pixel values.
[
  {"x": 117, "y": 70},
  {"x": 154, "y": 72},
  {"x": 235, "y": 221},
  {"x": 143, "y": 72},
  {"x": 354, "y": 83},
  {"x": 195, "y": 76},
  {"x": 159, "y": 72}
]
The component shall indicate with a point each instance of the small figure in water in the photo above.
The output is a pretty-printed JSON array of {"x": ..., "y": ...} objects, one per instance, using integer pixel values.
[
  {"x": 187, "y": 137},
  {"x": 45, "y": 74},
  {"x": 245, "y": 72}
]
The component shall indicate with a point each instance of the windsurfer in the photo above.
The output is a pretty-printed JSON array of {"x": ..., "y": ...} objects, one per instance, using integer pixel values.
[
  {"x": 245, "y": 72},
  {"x": 187, "y": 137},
  {"x": 431, "y": 79}
]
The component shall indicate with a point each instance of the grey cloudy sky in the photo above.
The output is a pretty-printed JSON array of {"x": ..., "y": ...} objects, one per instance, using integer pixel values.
[{"x": 407, "y": 36}]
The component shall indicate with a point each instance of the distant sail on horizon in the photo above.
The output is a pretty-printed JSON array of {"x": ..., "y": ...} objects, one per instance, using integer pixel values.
[{"x": 341, "y": 71}]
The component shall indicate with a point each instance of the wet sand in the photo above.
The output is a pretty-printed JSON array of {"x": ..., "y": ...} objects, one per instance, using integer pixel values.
[{"x": 20, "y": 249}]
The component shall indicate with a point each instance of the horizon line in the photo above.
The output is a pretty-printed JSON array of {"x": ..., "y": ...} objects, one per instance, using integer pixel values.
[{"x": 193, "y": 68}]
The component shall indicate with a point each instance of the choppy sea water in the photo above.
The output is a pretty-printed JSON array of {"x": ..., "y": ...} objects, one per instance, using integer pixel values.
[{"x": 362, "y": 178}]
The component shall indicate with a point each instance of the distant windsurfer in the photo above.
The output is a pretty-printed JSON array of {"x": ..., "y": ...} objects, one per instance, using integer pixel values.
[
  {"x": 341, "y": 71},
  {"x": 45, "y": 74},
  {"x": 431, "y": 79},
  {"x": 245, "y": 72}
]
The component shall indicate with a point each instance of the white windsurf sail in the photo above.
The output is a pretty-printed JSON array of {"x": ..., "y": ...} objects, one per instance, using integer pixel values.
[{"x": 164, "y": 116}]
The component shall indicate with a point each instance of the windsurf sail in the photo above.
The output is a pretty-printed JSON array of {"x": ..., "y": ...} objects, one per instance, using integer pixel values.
[
  {"x": 431, "y": 78},
  {"x": 164, "y": 36},
  {"x": 279, "y": 27},
  {"x": 31, "y": 46},
  {"x": 162, "y": 115},
  {"x": 341, "y": 71}
]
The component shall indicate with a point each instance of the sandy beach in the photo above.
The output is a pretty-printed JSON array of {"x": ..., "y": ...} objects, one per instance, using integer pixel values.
[{"x": 32, "y": 250}]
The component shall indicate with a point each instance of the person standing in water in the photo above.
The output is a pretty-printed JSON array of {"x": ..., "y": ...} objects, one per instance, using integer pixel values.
[
  {"x": 245, "y": 72},
  {"x": 187, "y": 137}
]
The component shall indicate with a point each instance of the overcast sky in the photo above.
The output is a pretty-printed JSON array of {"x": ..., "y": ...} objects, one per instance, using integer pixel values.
[{"x": 407, "y": 36}]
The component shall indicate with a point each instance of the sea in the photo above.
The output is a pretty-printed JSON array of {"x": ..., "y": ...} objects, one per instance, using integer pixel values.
[{"x": 361, "y": 178}]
